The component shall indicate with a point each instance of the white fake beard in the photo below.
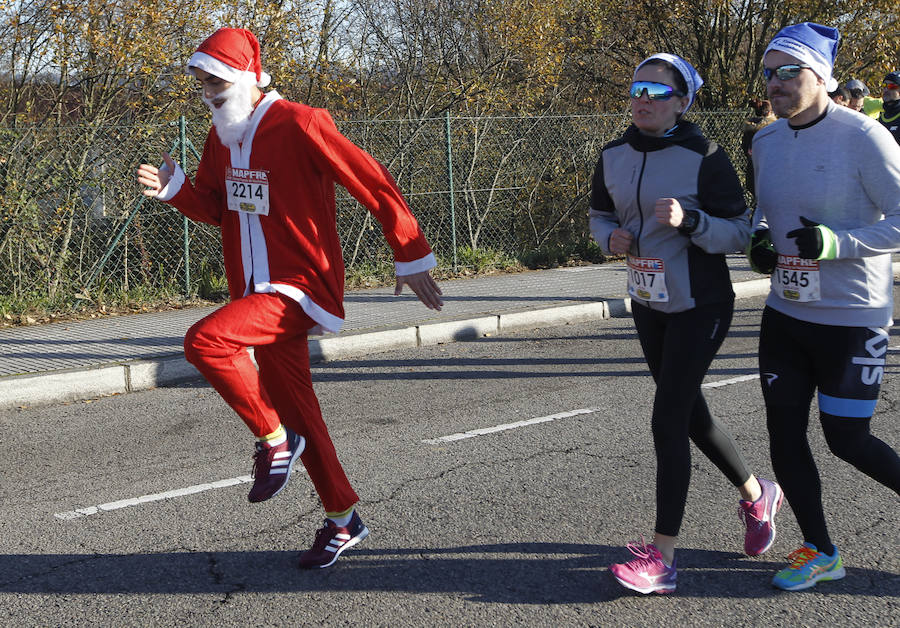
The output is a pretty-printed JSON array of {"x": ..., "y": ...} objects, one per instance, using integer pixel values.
[{"x": 232, "y": 118}]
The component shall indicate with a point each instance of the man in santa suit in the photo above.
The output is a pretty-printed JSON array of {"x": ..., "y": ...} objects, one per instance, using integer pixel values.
[{"x": 266, "y": 179}]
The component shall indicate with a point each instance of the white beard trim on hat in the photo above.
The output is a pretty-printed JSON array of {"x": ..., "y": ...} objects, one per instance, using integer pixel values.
[{"x": 232, "y": 117}]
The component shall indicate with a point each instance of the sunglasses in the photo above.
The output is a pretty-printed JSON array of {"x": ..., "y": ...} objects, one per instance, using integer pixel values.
[
  {"x": 655, "y": 91},
  {"x": 785, "y": 72},
  {"x": 892, "y": 86}
]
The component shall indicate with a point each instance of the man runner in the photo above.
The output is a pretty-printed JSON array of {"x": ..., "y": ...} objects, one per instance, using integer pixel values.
[
  {"x": 266, "y": 179},
  {"x": 833, "y": 220}
]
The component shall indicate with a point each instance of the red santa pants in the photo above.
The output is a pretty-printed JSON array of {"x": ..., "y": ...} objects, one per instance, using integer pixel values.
[{"x": 281, "y": 390}]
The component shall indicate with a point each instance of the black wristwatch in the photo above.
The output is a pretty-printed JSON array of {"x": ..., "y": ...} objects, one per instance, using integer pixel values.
[{"x": 690, "y": 221}]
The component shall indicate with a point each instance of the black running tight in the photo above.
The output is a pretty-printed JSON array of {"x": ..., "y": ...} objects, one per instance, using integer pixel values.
[
  {"x": 795, "y": 468},
  {"x": 797, "y": 359},
  {"x": 679, "y": 349}
]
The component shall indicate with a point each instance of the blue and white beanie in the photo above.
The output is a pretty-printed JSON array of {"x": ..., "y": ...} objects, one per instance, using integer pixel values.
[
  {"x": 812, "y": 44},
  {"x": 691, "y": 78}
]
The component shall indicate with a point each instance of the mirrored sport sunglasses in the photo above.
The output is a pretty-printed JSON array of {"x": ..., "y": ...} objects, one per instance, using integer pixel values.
[
  {"x": 655, "y": 91},
  {"x": 891, "y": 86},
  {"x": 785, "y": 72}
]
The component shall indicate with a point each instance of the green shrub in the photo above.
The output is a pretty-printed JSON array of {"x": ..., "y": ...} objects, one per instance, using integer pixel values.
[
  {"x": 563, "y": 254},
  {"x": 479, "y": 260},
  {"x": 212, "y": 284}
]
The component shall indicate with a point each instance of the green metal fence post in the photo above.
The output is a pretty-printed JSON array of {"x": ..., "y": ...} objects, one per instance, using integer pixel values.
[
  {"x": 452, "y": 195},
  {"x": 182, "y": 139}
]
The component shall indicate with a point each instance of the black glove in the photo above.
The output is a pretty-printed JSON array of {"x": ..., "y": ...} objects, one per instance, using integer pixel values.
[
  {"x": 761, "y": 253},
  {"x": 814, "y": 240}
]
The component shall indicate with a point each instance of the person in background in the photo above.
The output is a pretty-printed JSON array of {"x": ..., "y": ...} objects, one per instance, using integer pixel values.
[
  {"x": 840, "y": 96},
  {"x": 861, "y": 101},
  {"x": 669, "y": 199},
  {"x": 889, "y": 116},
  {"x": 858, "y": 93}
]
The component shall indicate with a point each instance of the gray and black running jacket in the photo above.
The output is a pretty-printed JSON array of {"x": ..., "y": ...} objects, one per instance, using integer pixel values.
[{"x": 636, "y": 170}]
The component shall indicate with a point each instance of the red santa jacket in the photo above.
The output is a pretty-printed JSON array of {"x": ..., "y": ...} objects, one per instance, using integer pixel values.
[{"x": 293, "y": 154}]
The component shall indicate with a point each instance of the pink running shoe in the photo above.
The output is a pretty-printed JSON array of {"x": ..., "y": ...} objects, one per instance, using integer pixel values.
[
  {"x": 647, "y": 573},
  {"x": 759, "y": 517}
]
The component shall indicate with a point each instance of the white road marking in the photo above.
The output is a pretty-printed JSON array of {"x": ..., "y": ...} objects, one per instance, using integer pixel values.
[
  {"x": 733, "y": 380},
  {"x": 553, "y": 417},
  {"x": 507, "y": 426},
  {"x": 199, "y": 488},
  {"x": 155, "y": 497}
]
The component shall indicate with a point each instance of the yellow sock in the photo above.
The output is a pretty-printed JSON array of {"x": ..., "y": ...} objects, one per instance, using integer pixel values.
[
  {"x": 341, "y": 518},
  {"x": 275, "y": 438}
]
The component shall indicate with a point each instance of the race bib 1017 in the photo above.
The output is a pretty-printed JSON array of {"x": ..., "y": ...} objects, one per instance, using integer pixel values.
[{"x": 647, "y": 279}]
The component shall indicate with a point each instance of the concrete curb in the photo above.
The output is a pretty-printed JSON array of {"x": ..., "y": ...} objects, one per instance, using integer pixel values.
[
  {"x": 751, "y": 288},
  {"x": 132, "y": 376}
]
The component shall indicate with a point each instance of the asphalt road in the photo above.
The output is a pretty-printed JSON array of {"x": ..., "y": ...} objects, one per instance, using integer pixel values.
[{"x": 507, "y": 526}]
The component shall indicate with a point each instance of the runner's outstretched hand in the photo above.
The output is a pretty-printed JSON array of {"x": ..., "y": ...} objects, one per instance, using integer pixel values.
[
  {"x": 424, "y": 286},
  {"x": 156, "y": 178}
]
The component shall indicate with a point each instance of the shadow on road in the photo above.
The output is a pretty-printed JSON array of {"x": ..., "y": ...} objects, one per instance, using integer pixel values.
[{"x": 515, "y": 573}]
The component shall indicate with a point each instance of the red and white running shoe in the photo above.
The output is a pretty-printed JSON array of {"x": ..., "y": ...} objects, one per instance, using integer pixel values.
[
  {"x": 272, "y": 467},
  {"x": 331, "y": 541}
]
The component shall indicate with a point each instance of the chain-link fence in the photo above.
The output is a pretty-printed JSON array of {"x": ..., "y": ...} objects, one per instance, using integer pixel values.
[{"x": 74, "y": 224}]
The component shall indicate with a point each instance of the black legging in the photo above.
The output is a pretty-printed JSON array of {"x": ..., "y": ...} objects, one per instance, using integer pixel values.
[
  {"x": 795, "y": 358},
  {"x": 679, "y": 349}
]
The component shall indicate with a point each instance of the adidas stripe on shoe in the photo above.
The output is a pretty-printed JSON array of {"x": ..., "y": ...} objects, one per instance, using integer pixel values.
[
  {"x": 331, "y": 541},
  {"x": 272, "y": 467}
]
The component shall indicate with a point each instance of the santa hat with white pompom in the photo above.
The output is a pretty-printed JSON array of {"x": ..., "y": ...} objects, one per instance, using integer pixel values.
[{"x": 231, "y": 54}]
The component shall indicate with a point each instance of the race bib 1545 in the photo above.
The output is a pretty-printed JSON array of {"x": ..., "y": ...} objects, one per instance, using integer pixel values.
[{"x": 796, "y": 279}]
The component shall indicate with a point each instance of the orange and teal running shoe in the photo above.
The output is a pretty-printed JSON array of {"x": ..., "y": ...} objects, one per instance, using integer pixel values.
[{"x": 808, "y": 566}]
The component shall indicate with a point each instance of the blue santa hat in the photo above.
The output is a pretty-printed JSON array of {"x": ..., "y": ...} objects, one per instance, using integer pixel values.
[
  {"x": 691, "y": 77},
  {"x": 812, "y": 44}
]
